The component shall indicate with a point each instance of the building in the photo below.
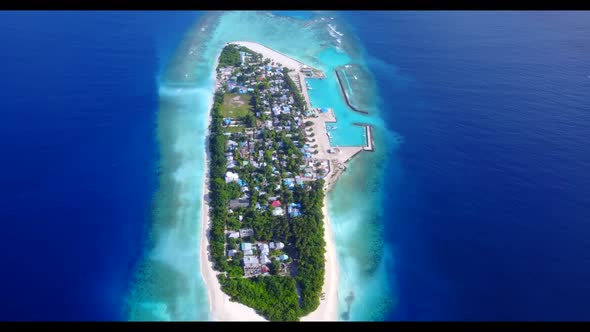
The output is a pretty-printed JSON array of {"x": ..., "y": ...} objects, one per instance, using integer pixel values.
[
  {"x": 231, "y": 252},
  {"x": 294, "y": 211},
  {"x": 276, "y": 203},
  {"x": 264, "y": 269},
  {"x": 282, "y": 257},
  {"x": 278, "y": 212},
  {"x": 231, "y": 177},
  {"x": 264, "y": 248},
  {"x": 233, "y": 235},
  {"x": 299, "y": 181},
  {"x": 246, "y": 246},
  {"x": 245, "y": 232},
  {"x": 289, "y": 182},
  {"x": 264, "y": 259},
  {"x": 226, "y": 71},
  {"x": 242, "y": 57},
  {"x": 232, "y": 144},
  {"x": 239, "y": 203},
  {"x": 251, "y": 261},
  {"x": 280, "y": 245}
]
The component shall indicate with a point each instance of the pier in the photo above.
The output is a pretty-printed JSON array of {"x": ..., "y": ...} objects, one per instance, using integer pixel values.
[
  {"x": 337, "y": 157},
  {"x": 341, "y": 83},
  {"x": 370, "y": 144}
]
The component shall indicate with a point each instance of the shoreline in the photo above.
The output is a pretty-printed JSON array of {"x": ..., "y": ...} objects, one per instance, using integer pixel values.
[
  {"x": 220, "y": 306},
  {"x": 328, "y": 308}
]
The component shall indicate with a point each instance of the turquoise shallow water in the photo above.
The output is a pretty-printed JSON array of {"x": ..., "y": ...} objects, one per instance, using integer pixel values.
[
  {"x": 326, "y": 93},
  {"x": 169, "y": 285}
]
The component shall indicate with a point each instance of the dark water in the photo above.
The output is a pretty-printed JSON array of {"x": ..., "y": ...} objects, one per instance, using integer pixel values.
[
  {"x": 78, "y": 99},
  {"x": 492, "y": 215}
]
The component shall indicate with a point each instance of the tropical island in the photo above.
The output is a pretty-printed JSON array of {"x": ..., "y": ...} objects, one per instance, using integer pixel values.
[{"x": 270, "y": 163}]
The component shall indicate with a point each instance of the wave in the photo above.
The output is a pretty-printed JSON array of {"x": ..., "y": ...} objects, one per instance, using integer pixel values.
[
  {"x": 181, "y": 89},
  {"x": 333, "y": 28}
]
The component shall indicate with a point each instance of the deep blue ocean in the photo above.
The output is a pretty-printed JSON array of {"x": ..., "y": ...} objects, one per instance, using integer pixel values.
[
  {"x": 490, "y": 220},
  {"x": 78, "y": 98},
  {"x": 490, "y": 208}
]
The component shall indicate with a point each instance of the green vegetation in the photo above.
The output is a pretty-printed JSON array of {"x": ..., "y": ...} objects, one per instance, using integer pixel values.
[
  {"x": 230, "y": 55},
  {"x": 236, "y": 129},
  {"x": 235, "y": 105},
  {"x": 219, "y": 195},
  {"x": 308, "y": 236},
  {"x": 273, "y": 297},
  {"x": 299, "y": 101}
]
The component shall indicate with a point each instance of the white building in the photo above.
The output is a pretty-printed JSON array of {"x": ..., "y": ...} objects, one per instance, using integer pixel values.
[
  {"x": 231, "y": 177},
  {"x": 278, "y": 211},
  {"x": 245, "y": 232},
  {"x": 264, "y": 248},
  {"x": 251, "y": 261},
  {"x": 264, "y": 259},
  {"x": 246, "y": 246}
]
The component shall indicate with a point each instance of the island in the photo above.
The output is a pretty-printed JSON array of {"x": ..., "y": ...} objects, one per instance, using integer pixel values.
[{"x": 267, "y": 243}]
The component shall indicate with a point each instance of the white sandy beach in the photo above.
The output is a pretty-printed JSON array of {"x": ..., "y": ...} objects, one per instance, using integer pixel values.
[
  {"x": 275, "y": 56},
  {"x": 222, "y": 309},
  {"x": 328, "y": 309}
]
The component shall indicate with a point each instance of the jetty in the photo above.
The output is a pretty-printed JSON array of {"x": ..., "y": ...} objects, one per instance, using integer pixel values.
[
  {"x": 345, "y": 93},
  {"x": 337, "y": 156}
]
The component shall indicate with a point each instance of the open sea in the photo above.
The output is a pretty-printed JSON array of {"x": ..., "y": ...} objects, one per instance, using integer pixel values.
[
  {"x": 488, "y": 196},
  {"x": 78, "y": 101},
  {"x": 475, "y": 205}
]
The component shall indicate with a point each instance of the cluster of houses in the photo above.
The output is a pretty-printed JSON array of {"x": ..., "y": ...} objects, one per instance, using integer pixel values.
[
  {"x": 257, "y": 256},
  {"x": 248, "y": 152}
]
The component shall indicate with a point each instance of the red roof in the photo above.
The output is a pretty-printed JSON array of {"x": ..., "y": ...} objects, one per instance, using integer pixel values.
[{"x": 276, "y": 203}]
